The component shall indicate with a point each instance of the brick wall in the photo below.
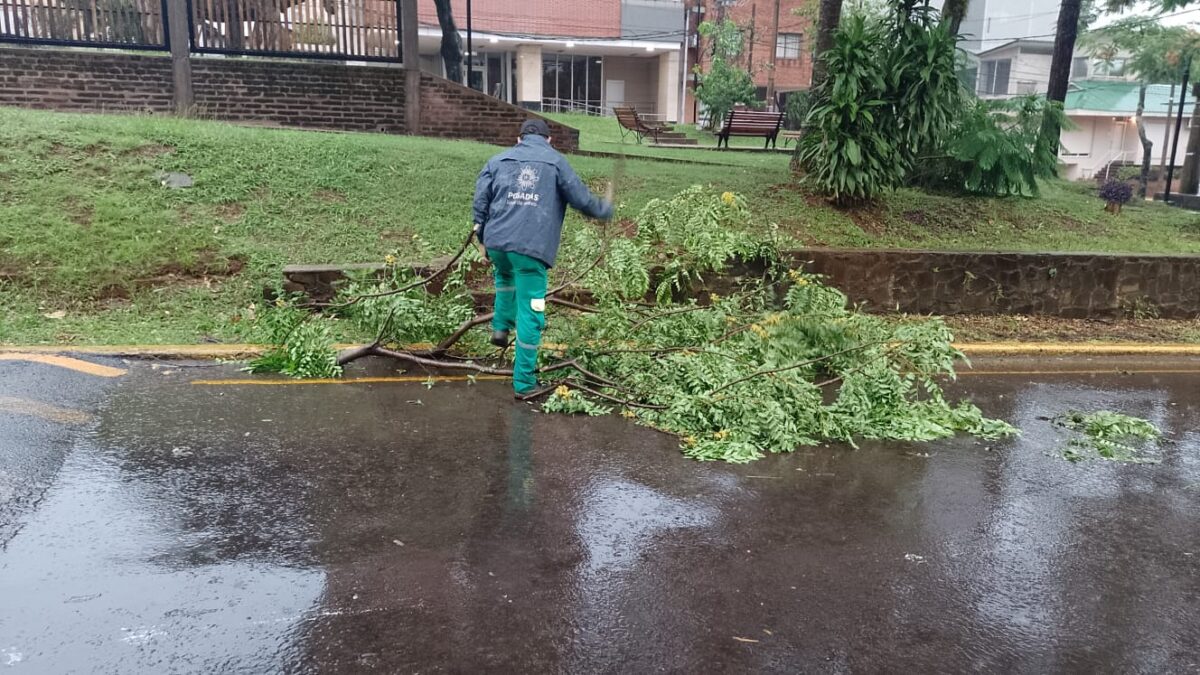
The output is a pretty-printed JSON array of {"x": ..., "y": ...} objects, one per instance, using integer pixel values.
[
  {"x": 287, "y": 93},
  {"x": 449, "y": 110},
  {"x": 85, "y": 81},
  {"x": 551, "y": 18},
  {"x": 300, "y": 94}
]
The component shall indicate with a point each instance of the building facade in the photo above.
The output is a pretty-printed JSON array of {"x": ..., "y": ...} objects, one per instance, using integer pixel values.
[
  {"x": 992, "y": 23},
  {"x": 1011, "y": 43},
  {"x": 780, "y": 60},
  {"x": 570, "y": 55}
]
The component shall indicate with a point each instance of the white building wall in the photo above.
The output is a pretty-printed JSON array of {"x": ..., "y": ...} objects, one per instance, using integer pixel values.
[
  {"x": 1030, "y": 73},
  {"x": 991, "y": 23},
  {"x": 640, "y": 78},
  {"x": 1098, "y": 141}
]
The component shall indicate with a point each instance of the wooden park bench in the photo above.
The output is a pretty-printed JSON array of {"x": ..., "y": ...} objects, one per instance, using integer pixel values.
[
  {"x": 745, "y": 122},
  {"x": 632, "y": 122}
]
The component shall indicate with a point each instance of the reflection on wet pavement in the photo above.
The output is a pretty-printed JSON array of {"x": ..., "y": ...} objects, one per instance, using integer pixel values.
[{"x": 387, "y": 528}]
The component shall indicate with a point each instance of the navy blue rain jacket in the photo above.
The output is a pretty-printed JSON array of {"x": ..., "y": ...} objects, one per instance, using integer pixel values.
[{"x": 522, "y": 195}]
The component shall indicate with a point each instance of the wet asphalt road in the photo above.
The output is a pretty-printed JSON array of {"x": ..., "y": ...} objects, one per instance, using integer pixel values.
[{"x": 153, "y": 525}]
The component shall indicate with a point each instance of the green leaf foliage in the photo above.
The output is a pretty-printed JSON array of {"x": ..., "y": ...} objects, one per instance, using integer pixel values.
[
  {"x": 775, "y": 362},
  {"x": 723, "y": 85},
  {"x": 301, "y": 346},
  {"x": 1108, "y": 435},
  {"x": 893, "y": 112},
  {"x": 994, "y": 149}
]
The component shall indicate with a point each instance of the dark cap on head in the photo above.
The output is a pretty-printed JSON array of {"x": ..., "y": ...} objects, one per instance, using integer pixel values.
[{"x": 538, "y": 127}]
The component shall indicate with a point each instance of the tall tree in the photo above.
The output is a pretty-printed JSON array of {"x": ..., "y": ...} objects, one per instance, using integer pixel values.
[
  {"x": 1152, "y": 52},
  {"x": 452, "y": 54},
  {"x": 953, "y": 13},
  {"x": 827, "y": 22},
  {"x": 1060, "y": 69},
  {"x": 1189, "y": 178}
]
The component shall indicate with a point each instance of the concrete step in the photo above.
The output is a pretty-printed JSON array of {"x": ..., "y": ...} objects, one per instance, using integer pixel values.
[{"x": 663, "y": 139}]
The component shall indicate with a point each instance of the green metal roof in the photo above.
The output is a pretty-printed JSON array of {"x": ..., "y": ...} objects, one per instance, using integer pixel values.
[{"x": 1118, "y": 98}]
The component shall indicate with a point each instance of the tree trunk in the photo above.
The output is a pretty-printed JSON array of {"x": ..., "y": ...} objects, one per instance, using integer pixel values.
[
  {"x": 1060, "y": 70},
  {"x": 827, "y": 23},
  {"x": 1189, "y": 180},
  {"x": 953, "y": 13},
  {"x": 1147, "y": 144},
  {"x": 452, "y": 54}
]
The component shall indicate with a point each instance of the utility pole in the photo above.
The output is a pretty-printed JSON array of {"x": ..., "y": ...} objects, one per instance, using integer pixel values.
[
  {"x": 1167, "y": 129},
  {"x": 773, "y": 54},
  {"x": 1187, "y": 70},
  {"x": 683, "y": 62},
  {"x": 470, "y": 54}
]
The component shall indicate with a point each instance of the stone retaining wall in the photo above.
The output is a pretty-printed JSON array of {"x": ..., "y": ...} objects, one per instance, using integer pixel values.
[{"x": 1070, "y": 285}]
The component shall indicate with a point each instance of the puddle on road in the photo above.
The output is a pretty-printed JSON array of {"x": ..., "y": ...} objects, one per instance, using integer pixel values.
[{"x": 91, "y": 585}]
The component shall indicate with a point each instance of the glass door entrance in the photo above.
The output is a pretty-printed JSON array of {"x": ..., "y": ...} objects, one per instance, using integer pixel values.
[{"x": 492, "y": 73}]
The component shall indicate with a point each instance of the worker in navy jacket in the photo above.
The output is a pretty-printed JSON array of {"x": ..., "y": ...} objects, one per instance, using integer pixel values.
[{"x": 521, "y": 197}]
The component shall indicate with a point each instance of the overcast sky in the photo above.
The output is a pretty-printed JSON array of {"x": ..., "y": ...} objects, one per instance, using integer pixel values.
[{"x": 1189, "y": 16}]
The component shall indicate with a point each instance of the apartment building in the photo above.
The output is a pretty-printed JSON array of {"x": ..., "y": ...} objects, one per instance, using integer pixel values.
[
  {"x": 570, "y": 55},
  {"x": 1012, "y": 46},
  {"x": 779, "y": 59}
]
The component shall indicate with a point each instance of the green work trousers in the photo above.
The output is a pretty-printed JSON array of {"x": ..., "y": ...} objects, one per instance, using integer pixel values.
[{"x": 520, "y": 304}]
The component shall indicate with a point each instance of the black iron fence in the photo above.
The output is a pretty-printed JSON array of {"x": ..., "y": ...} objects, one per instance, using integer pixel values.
[
  {"x": 359, "y": 30},
  {"x": 345, "y": 30},
  {"x": 128, "y": 24}
]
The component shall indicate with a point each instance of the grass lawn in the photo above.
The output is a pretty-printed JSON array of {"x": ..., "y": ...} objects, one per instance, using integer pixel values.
[
  {"x": 94, "y": 250},
  {"x": 603, "y": 134}
]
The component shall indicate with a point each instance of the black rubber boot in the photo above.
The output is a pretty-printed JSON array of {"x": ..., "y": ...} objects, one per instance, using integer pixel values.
[
  {"x": 540, "y": 390},
  {"x": 500, "y": 338}
]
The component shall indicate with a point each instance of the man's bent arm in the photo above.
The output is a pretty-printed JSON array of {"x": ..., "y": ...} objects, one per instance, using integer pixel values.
[{"x": 579, "y": 196}]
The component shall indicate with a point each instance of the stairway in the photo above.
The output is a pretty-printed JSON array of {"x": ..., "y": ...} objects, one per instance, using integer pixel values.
[{"x": 674, "y": 138}]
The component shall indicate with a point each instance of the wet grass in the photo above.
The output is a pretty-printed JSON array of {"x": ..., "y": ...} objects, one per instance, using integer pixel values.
[
  {"x": 603, "y": 134},
  {"x": 94, "y": 250}
]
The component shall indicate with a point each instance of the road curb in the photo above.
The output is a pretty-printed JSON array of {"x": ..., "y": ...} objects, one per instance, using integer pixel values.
[{"x": 235, "y": 352}]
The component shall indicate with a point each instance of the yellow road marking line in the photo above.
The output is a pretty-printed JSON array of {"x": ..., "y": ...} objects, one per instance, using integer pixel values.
[
  {"x": 43, "y": 410},
  {"x": 356, "y": 380},
  {"x": 65, "y": 362},
  {"x": 1016, "y": 348},
  {"x": 1108, "y": 371}
]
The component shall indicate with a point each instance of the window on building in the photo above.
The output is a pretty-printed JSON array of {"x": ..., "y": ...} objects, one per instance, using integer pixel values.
[
  {"x": 993, "y": 77},
  {"x": 1079, "y": 68},
  {"x": 1109, "y": 68},
  {"x": 571, "y": 83},
  {"x": 788, "y": 45}
]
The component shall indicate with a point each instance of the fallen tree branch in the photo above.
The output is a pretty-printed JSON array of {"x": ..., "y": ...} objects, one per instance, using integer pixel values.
[
  {"x": 571, "y": 305},
  {"x": 613, "y": 399},
  {"x": 436, "y": 363},
  {"x": 445, "y": 345},
  {"x": 839, "y": 378},
  {"x": 794, "y": 366},
  {"x": 661, "y": 315}
]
